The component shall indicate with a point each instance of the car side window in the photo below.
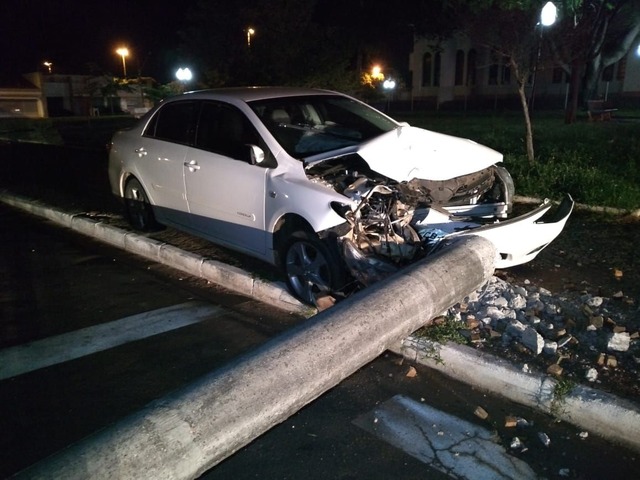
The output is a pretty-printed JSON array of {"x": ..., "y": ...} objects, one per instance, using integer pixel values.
[
  {"x": 173, "y": 123},
  {"x": 225, "y": 130}
]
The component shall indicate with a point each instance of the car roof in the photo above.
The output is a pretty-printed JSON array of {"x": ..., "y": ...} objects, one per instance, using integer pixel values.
[{"x": 248, "y": 94}]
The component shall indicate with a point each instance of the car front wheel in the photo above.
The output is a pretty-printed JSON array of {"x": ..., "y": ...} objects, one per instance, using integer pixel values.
[
  {"x": 137, "y": 207},
  {"x": 313, "y": 267}
]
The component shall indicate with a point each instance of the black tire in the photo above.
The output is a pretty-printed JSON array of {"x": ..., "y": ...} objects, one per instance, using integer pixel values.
[
  {"x": 138, "y": 210},
  {"x": 313, "y": 267}
]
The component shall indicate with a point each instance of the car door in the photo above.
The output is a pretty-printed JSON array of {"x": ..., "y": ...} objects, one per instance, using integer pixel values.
[
  {"x": 161, "y": 153},
  {"x": 225, "y": 192}
]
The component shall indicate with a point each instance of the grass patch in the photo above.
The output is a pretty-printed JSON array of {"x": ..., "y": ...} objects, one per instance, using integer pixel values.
[
  {"x": 561, "y": 391},
  {"x": 41, "y": 130},
  {"x": 443, "y": 330}
]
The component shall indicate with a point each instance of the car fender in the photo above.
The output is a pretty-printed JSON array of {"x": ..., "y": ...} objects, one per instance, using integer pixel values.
[{"x": 299, "y": 196}]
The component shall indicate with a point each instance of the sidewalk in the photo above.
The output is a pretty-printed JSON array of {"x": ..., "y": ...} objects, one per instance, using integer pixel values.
[{"x": 598, "y": 412}]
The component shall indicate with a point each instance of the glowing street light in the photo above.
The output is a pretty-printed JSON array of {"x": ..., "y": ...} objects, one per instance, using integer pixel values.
[
  {"x": 376, "y": 73},
  {"x": 250, "y": 32},
  {"x": 123, "y": 52},
  {"x": 184, "y": 75},
  {"x": 48, "y": 65},
  {"x": 389, "y": 84},
  {"x": 548, "y": 15}
]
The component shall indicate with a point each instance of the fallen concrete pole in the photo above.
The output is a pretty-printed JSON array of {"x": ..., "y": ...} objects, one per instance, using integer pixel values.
[{"x": 186, "y": 433}]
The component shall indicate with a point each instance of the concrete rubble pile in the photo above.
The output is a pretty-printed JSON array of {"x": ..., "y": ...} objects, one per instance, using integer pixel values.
[{"x": 584, "y": 333}]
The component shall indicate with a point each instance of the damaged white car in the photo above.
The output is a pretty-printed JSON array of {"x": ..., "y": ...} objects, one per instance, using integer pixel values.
[{"x": 333, "y": 191}]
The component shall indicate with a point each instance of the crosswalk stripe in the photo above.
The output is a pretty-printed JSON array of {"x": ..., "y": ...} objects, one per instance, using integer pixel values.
[
  {"x": 69, "y": 346},
  {"x": 460, "y": 449}
]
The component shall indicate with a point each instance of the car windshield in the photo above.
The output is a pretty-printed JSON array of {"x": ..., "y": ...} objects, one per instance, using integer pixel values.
[{"x": 310, "y": 125}]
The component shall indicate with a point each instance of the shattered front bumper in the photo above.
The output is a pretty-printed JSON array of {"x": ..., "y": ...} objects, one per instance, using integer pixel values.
[{"x": 518, "y": 240}]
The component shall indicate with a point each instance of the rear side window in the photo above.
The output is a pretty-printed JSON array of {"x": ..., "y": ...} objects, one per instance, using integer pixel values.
[{"x": 173, "y": 123}]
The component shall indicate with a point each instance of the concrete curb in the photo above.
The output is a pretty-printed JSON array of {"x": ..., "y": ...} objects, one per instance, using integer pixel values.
[
  {"x": 603, "y": 414},
  {"x": 594, "y": 410},
  {"x": 227, "y": 276}
]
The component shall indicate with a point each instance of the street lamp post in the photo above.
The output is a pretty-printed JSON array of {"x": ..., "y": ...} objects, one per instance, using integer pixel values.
[
  {"x": 547, "y": 18},
  {"x": 250, "y": 33},
  {"x": 389, "y": 86},
  {"x": 123, "y": 52}
]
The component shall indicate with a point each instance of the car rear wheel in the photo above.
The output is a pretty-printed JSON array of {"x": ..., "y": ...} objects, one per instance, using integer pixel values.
[
  {"x": 137, "y": 207},
  {"x": 312, "y": 266}
]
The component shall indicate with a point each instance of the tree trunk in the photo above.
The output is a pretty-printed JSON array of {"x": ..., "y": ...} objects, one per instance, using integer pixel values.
[
  {"x": 527, "y": 121},
  {"x": 574, "y": 88}
]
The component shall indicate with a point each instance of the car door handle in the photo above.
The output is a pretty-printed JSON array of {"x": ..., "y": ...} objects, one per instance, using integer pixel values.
[
  {"x": 193, "y": 165},
  {"x": 141, "y": 152}
]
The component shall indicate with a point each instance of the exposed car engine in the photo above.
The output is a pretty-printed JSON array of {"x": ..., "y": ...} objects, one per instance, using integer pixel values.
[{"x": 386, "y": 217}]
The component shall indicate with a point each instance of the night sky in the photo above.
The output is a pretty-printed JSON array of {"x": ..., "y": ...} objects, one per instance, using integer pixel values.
[{"x": 74, "y": 33}]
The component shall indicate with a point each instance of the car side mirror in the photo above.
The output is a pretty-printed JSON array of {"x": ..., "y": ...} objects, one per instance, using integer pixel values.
[{"x": 256, "y": 155}]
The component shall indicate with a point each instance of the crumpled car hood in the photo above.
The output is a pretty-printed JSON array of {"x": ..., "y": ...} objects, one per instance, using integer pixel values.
[{"x": 410, "y": 152}]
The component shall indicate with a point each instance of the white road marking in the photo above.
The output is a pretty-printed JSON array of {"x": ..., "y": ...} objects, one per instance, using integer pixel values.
[
  {"x": 69, "y": 346},
  {"x": 449, "y": 444}
]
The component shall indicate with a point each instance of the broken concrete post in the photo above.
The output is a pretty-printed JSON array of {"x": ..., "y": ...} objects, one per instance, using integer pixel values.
[{"x": 186, "y": 433}]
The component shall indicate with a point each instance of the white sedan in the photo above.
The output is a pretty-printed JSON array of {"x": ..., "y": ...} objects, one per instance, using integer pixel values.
[{"x": 333, "y": 191}]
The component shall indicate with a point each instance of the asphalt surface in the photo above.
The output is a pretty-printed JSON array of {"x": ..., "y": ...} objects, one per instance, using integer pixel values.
[{"x": 611, "y": 417}]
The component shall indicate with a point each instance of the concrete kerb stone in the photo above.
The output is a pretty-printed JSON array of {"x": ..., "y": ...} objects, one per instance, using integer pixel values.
[
  {"x": 84, "y": 225},
  {"x": 231, "y": 277},
  {"x": 145, "y": 247},
  {"x": 277, "y": 293},
  {"x": 181, "y": 260},
  {"x": 596, "y": 411},
  {"x": 111, "y": 235},
  {"x": 34, "y": 208},
  {"x": 61, "y": 218}
]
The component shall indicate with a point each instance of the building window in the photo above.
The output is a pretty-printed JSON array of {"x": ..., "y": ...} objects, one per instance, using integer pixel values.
[
  {"x": 471, "y": 67},
  {"x": 500, "y": 72},
  {"x": 459, "y": 67},
  {"x": 431, "y": 69},
  {"x": 493, "y": 74},
  {"x": 427, "y": 67},
  {"x": 506, "y": 73}
]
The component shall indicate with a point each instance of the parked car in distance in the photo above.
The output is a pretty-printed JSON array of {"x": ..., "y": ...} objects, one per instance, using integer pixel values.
[{"x": 333, "y": 191}]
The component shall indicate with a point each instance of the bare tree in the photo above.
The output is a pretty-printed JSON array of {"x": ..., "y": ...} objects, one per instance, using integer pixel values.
[
  {"x": 590, "y": 36},
  {"x": 511, "y": 36}
]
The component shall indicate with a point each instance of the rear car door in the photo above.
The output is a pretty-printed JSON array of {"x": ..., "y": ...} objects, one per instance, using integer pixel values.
[
  {"x": 225, "y": 192},
  {"x": 161, "y": 153}
]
